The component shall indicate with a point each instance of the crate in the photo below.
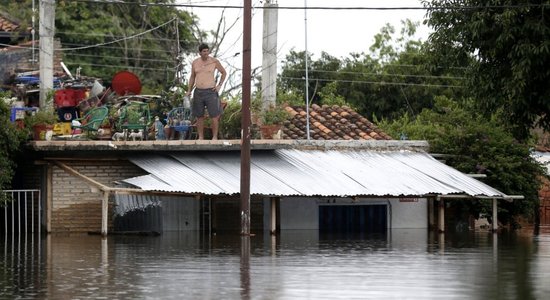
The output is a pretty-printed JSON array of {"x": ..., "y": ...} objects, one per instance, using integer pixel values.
[
  {"x": 68, "y": 97},
  {"x": 18, "y": 113},
  {"x": 62, "y": 128}
]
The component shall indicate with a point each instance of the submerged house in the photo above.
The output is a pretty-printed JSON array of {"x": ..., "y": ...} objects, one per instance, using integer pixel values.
[{"x": 362, "y": 182}]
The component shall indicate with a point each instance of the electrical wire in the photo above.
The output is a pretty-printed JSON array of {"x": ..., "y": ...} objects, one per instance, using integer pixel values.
[
  {"x": 449, "y": 7},
  {"x": 379, "y": 82},
  {"x": 119, "y": 40}
]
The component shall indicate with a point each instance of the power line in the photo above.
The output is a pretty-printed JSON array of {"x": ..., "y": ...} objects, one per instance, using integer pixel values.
[
  {"x": 381, "y": 82},
  {"x": 121, "y": 57},
  {"x": 119, "y": 40},
  {"x": 380, "y": 74},
  {"x": 450, "y": 7}
]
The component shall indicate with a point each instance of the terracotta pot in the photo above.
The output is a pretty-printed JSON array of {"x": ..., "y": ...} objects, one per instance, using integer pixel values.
[
  {"x": 42, "y": 132},
  {"x": 270, "y": 132}
]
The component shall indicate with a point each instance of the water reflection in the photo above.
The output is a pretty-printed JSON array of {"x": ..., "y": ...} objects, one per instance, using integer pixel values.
[{"x": 296, "y": 264}]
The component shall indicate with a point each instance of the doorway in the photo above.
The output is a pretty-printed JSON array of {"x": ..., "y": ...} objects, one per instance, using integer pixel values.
[{"x": 353, "y": 218}]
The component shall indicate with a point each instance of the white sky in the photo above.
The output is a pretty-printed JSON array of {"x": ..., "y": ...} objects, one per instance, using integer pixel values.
[{"x": 337, "y": 32}]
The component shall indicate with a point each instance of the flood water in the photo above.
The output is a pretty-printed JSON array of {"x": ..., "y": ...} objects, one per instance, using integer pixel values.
[{"x": 402, "y": 264}]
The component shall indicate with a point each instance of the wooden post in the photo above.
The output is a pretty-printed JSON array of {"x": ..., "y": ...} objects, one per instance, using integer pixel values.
[
  {"x": 104, "y": 212},
  {"x": 441, "y": 220},
  {"x": 495, "y": 215},
  {"x": 273, "y": 225}
]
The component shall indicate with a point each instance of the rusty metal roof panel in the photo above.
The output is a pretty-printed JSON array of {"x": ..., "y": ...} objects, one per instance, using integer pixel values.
[{"x": 288, "y": 172}]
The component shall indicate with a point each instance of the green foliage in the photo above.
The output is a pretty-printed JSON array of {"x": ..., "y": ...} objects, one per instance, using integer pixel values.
[
  {"x": 111, "y": 37},
  {"x": 230, "y": 122},
  {"x": 396, "y": 76},
  {"x": 42, "y": 116},
  {"x": 329, "y": 96},
  {"x": 274, "y": 115},
  {"x": 476, "y": 144},
  {"x": 11, "y": 140},
  {"x": 507, "y": 53}
]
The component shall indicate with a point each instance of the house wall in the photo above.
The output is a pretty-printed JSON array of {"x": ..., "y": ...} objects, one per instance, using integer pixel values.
[
  {"x": 75, "y": 206},
  {"x": 544, "y": 198},
  {"x": 303, "y": 213}
]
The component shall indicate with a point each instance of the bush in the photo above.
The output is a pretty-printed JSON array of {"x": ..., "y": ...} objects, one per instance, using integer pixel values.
[{"x": 11, "y": 139}]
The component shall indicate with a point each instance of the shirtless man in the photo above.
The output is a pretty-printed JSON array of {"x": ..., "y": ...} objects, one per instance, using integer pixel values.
[{"x": 203, "y": 82}]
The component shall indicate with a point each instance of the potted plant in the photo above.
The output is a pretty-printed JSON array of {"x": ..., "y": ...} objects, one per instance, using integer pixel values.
[
  {"x": 272, "y": 120},
  {"x": 42, "y": 122}
]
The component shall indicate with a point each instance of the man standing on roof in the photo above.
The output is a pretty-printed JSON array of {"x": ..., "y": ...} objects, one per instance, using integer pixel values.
[{"x": 206, "y": 89}]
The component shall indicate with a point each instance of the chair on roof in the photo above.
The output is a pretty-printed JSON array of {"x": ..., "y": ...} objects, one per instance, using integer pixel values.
[
  {"x": 134, "y": 116},
  {"x": 91, "y": 121},
  {"x": 179, "y": 120}
]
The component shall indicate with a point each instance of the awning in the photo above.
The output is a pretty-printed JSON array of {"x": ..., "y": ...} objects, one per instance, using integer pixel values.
[{"x": 290, "y": 172}]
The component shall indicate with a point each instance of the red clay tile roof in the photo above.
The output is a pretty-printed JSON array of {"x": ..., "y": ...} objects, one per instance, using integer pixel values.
[
  {"x": 7, "y": 25},
  {"x": 331, "y": 123}
]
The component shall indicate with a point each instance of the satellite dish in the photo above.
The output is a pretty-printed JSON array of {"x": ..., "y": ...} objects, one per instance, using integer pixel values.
[{"x": 126, "y": 83}]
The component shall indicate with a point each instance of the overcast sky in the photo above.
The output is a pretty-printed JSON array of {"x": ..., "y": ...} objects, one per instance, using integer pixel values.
[{"x": 337, "y": 32}]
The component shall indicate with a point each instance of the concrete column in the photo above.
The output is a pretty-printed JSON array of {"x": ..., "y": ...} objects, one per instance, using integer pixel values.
[
  {"x": 495, "y": 215},
  {"x": 104, "y": 213},
  {"x": 269, "y": 55},
  {"x": 431, "y": 214},
  {"x": 441, "y": 219},
  {"x": 46, "y": 31},
  {"x": 273, "y": 219}
]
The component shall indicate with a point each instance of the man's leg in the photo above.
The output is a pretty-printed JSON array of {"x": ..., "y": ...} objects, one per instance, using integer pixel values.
[
  {"x": 200, "y": 127},
  {"x": 215, "y": 125}
]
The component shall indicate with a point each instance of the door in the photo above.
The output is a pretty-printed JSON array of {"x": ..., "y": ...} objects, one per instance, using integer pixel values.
[{"x": 353, "y": 218}]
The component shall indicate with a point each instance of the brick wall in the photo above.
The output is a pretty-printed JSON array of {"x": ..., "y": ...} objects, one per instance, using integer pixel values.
[{"x": 75, "y": 207}]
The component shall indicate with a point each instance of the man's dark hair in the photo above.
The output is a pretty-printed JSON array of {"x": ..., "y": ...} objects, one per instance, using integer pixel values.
[{"x": 203, "y": 46}]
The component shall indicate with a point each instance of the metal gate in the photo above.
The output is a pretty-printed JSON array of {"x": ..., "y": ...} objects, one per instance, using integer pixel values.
[{"x": 23, "y": 214}]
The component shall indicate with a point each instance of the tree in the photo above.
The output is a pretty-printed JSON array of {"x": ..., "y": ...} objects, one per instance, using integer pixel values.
[
  {"x": 506, "y": 48},
  {"x": 476, "y": 144},
  {"x": 103, "y": 38},
  {"x": 394, "y": 77},
  {"x": 11, "y": 138}
]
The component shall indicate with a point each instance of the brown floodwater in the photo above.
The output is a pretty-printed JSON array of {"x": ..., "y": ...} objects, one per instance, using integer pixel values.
[{"x": 401, "y": 264}]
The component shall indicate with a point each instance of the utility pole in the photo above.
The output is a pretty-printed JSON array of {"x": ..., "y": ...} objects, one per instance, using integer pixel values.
[
  {"x": 269, "y": 54},
  {"x": 245, "y": 120},
  {"x": 46, "y": 30}
]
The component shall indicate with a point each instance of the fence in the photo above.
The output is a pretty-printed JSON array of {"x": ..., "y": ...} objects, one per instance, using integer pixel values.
[{"x": 23, "y": 214}]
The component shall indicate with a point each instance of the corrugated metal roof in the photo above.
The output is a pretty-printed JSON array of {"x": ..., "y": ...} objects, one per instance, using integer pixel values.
[{"x": 289, "y": 172}]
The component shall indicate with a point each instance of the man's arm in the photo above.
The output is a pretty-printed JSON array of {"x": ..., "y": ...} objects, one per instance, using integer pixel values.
[
  {"x": 191, "y": 80},
  {"x": 223, "y": 72}
]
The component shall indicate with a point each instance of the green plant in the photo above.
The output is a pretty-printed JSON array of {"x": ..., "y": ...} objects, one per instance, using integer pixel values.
[
  {"x": 274, "y": 115},
  {"x": 11, "y": 140},
  {"x": 230, "y": 123},
  {"x": 42, "y": 116}
]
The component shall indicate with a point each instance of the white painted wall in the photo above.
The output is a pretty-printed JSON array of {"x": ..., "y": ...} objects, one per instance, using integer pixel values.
[
  {"x": 303, "y": 213},
  {"x": 405, "y": 214},
  {"x": 299, "y": 213}
]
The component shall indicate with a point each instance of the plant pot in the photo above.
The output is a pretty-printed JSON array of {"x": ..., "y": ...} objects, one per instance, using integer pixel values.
[
  {"x": 105, "y": 133},
  {"x": 42, "y": 132},
  {"x": 270, "y": 132}
]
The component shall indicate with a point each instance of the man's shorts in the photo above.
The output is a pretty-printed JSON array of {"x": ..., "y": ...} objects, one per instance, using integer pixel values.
[{"x": 205, "y": 98}]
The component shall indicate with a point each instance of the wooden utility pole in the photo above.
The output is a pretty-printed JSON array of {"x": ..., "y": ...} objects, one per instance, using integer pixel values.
[
  {"x": 245, "y": 120},
  {"x": 46, "y": 31}
]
